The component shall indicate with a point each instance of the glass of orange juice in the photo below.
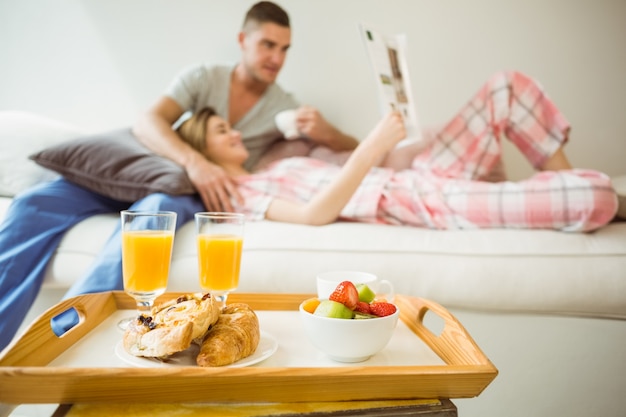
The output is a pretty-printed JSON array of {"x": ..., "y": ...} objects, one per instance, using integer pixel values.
[
  {"x": 220, "y": 241},
  {"x": 147, "y": 240}
]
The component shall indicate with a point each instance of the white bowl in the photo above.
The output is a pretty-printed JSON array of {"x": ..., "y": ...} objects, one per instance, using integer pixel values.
[{"x": 345, "y": 340}]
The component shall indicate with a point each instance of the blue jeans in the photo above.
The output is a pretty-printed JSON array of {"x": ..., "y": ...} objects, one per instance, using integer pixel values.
[{"x": 32, "y": 229}]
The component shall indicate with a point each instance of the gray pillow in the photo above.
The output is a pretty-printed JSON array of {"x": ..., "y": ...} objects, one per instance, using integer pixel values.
[{"x": 115, "y": 164}]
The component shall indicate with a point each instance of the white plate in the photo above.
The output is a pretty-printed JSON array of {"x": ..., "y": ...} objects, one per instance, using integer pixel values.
[{"x": 266, "y": 348}]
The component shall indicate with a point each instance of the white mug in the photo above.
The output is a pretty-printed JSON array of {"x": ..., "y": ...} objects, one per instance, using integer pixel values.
[
  {"x": 328, "y": 281},
  {"x": 286, "y": 123}
]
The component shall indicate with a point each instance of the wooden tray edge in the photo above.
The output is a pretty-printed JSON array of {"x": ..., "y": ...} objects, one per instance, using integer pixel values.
[{"x": 454, "y": 345}]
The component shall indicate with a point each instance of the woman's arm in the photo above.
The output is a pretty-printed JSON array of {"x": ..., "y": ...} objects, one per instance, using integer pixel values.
[{"x": 326, "y": 206}]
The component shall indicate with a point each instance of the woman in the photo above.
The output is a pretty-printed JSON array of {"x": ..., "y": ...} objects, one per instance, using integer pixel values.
[{"x": 443, "y": 186}]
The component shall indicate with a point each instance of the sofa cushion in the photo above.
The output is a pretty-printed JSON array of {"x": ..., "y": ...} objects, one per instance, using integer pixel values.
[
  {"x": 537, "y": 271},
  {"x": 21, "y": 134},
  {"x": 116, "y": 165}
]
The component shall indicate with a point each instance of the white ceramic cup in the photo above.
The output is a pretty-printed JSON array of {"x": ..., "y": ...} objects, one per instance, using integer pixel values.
[
  {"x": 286, "y": 123},
  {"x": 328, "y": 281}
]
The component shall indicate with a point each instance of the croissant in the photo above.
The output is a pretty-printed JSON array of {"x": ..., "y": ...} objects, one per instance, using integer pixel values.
[
  {"x": 172, "y": 326},
  {"x": 235, "y": 336}
]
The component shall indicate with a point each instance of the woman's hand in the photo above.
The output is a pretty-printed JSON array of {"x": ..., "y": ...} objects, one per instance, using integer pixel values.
[
  {"x": 389, "y": 131},
  {"x": 215, "y": 186}
]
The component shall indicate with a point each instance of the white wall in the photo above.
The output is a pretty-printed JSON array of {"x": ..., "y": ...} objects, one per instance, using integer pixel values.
[{"x": 97, "y": 64}]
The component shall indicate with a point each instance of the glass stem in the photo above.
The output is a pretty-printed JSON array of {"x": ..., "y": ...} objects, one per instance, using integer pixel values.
[
  {"x": 145, "y": 307},
  {"x": 221, "y": 298}
]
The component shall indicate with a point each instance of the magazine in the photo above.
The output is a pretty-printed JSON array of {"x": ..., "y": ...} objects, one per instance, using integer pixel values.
[{"x": 387, "y": 54}]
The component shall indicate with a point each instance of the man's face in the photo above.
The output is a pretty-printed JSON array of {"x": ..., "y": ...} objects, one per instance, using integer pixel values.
[{"x": 264, "y": 50}]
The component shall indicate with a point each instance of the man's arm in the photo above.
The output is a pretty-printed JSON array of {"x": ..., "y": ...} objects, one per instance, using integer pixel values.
[{"x": 154, "y": 130}]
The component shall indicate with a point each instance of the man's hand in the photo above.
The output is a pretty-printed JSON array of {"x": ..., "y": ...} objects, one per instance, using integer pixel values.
[
  {"x": 214, "y": 185},
  {"x": 312, "y": 125}
]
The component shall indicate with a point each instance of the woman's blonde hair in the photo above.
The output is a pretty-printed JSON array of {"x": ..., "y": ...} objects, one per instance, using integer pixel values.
[{"x": 194, "y": 130}]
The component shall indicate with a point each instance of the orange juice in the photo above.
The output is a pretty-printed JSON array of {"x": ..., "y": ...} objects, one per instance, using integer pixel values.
[
  {"x": 219, "y": 258},
  {"x": 146, "y": 256}
]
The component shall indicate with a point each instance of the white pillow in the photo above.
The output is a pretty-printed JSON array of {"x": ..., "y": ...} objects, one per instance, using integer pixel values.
[{"x": 22, "y": 134}]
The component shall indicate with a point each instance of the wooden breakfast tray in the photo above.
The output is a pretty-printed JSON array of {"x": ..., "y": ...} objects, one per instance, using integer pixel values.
[{"x": 28, "y": 373}]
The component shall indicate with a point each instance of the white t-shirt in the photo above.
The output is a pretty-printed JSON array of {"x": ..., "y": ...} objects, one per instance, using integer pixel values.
[{"x": 204, "y": 85}]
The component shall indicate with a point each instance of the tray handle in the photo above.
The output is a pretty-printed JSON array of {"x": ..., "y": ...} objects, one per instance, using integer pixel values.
[
  {"x": 454, "y": 344},
  {"x": 27, "y": 349}
]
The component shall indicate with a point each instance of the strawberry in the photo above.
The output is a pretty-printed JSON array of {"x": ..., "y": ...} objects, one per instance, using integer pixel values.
[
  {"x": 346, "y": 294},
  {"x": 382, "y": 309},
  {"x": 362, "y": 307}
]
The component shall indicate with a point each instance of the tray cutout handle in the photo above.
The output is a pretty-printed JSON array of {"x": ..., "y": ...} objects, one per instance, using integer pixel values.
[
  {"x": 28, "y": 351},
  {"x": 433, "y": 322},
  {"x": 454, "y": 344},
  {"x": 67, "y": 321}
]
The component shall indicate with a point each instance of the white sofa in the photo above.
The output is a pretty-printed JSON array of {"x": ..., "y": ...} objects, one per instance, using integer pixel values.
[{"x": 548, "y": 308}]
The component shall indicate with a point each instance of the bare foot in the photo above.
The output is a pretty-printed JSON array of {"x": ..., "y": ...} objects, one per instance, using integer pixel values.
[{"x": 557, "y": 162}]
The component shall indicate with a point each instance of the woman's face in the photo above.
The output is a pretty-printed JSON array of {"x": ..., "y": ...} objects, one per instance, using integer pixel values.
[{"x": 223, "y": 144}]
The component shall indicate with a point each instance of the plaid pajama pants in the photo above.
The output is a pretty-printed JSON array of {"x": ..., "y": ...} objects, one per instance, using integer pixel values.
[{"x": 446, "y": 187}]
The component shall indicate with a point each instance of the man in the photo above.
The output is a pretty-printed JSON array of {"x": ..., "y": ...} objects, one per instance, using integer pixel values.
[{"x": 248, "y": 96}]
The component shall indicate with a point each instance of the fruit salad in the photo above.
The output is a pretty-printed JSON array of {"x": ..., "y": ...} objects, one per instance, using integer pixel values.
[{"x": 350, "y": 301}]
